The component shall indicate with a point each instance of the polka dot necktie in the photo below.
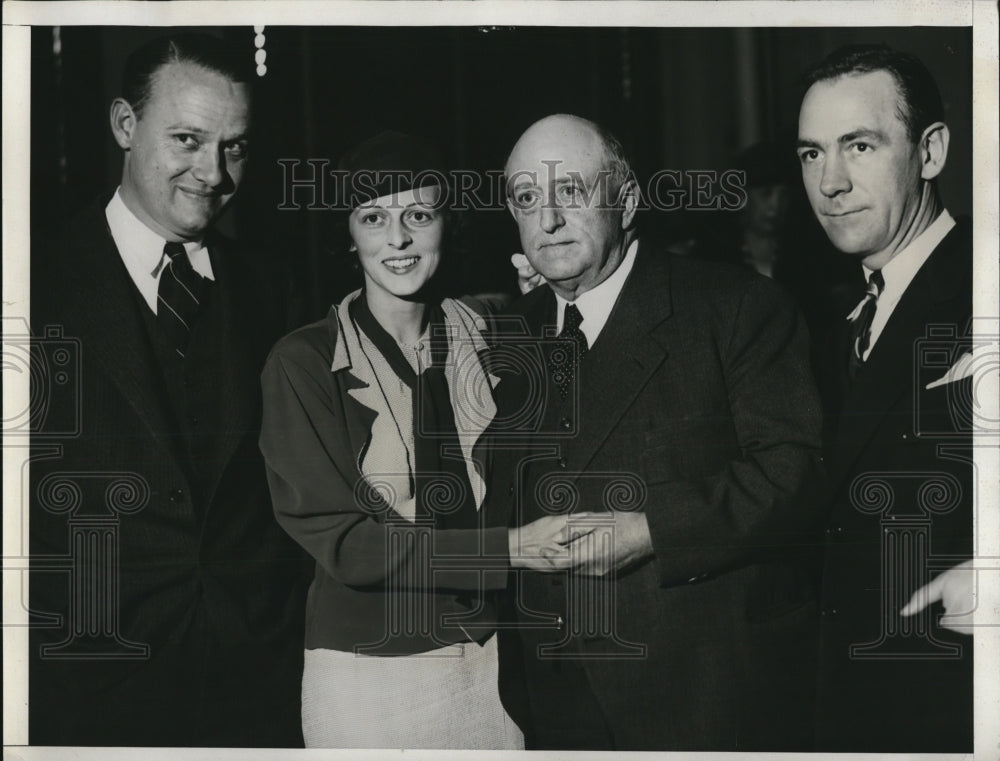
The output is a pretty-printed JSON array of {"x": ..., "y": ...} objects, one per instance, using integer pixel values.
[{"x": 564, "y": 358}]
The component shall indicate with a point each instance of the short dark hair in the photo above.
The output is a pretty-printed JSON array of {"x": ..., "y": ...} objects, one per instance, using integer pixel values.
[
  {"x": 208, "y": 51},
  {"x": 919, "y": 98}
]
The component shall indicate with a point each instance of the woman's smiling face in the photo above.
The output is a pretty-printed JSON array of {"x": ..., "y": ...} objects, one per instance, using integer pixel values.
[{"x": 398, "y": 239}]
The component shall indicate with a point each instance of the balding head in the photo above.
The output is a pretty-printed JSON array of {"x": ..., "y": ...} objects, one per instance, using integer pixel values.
[
  {"x": 571, "y": 193},
  {"x": 568, "y": 129}
]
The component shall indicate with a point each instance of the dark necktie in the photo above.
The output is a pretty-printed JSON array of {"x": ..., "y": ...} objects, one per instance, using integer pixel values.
[
  {"x": 861, "y": 325},
  {"x": 178, "y": 297},
  {"x": 563, "y": 359}
]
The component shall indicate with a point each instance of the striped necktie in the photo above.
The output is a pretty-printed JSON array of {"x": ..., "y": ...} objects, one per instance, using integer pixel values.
[
  {"x": 179, "y": 297},
  {"x": 861, "y": 323}
]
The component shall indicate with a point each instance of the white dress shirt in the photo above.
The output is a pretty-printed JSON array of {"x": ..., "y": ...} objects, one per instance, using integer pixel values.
[
  {"x": 141, "y": 250},
  {"x": 596, "y": 304},
  {"x": 901, "y": 269}
]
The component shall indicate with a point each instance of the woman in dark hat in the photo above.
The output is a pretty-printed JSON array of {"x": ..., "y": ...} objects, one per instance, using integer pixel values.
[{"x": 370, "y": 424}]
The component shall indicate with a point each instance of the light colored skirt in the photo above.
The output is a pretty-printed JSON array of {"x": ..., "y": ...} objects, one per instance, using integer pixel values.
[{"x": 447, "y": 698}]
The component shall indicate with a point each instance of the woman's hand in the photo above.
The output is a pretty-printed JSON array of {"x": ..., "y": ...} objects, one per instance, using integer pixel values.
[
  {"x": 527, "y": 277},
  {"x": 541, "y": 544}
]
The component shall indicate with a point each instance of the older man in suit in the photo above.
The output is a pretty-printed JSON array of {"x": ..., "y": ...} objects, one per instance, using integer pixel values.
[
  {"x": 676, "y": 414},
  {"x": 872, "y": 142},
  {"x": 180, "y": 620}
]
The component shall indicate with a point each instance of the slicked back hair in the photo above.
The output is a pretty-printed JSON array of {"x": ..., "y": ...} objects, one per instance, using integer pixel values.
[
  {"x": 205, "y": 50},
  {"x": 919, "y": 103}
]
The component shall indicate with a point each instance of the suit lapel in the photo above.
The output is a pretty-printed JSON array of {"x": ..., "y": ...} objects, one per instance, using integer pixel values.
[
  {"x": 243, "y": 329},
  {"x": 103, "y": 304},
  {"x": 938, "y": 293},
  {"x": 626, "y": 354},
  {"x": 358, "y": 418}
]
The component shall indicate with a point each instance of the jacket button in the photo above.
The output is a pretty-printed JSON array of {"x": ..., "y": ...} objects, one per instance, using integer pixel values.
[
  {"x": 562, "y": 463},
  {"x": 510, "y": 490},
  {"x": 176, "y": 495},
  {"x": 565, "y": 423}
]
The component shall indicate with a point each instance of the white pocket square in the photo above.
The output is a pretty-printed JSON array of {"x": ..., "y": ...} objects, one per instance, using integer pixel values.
[{"x": 961, "y": 369}]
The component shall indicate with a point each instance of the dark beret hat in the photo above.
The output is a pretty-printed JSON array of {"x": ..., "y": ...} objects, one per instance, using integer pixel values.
[{"x": 390, "y": 163}]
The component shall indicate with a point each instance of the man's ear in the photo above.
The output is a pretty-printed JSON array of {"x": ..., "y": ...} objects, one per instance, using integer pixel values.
[
  {"x": 933, "y": 149},
  {"x": 123, "y": 121},
  {"x": 628, "y": 198}
]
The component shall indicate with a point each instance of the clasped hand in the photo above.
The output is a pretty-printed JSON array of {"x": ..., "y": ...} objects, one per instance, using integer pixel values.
[{"x": 593, "y": 544}]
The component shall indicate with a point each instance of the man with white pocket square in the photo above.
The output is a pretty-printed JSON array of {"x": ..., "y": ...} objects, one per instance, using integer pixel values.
[{"x": 893, "y": 678}]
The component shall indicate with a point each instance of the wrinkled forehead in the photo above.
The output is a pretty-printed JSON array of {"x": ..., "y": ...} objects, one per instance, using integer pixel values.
[{"x": 552, "y": 152}]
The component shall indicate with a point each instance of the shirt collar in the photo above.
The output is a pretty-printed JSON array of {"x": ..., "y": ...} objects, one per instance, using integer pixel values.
[
  {"x": 899, "y": 271},
  {"x": 596, "y": 304},
  {"x": 141, "y": 249}
]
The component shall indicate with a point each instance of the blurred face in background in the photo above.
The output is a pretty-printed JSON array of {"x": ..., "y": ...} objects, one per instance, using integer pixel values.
[
  {"x": 398, "y": 239},
  {"x": 766, "y": 209},
  {"x": 186, "y": 152}
]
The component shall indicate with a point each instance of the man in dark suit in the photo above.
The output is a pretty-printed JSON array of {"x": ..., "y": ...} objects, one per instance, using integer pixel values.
[
  {"x": 168, "y": 602},
  {"x": 677, "y": 418},
  {"x": 872, "y": 141}
]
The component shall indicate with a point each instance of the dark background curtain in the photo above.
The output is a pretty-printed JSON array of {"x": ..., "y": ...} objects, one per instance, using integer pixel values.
[{"x": 682, "y": 98}]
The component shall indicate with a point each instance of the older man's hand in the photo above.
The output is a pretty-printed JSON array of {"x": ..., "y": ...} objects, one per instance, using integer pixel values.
[
  {"x": 616, "y": 540},
  {"x": 955, "y": 588},
  {"x": 541, "y": 544}
]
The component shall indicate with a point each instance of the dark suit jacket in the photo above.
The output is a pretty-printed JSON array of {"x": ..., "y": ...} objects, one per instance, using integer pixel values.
[
  {"x": 193, "y": 635},
  {"x": 900, "y": 469},
  {"x": 697, "y": 406}
]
